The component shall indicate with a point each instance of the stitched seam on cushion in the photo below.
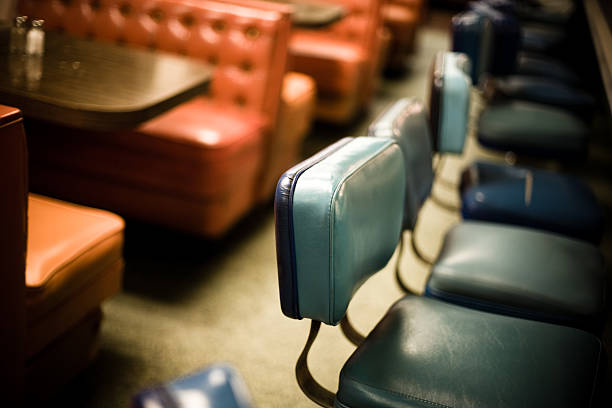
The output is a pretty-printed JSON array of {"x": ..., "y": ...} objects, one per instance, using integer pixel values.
[
  {"x": 332, "y": 218},
  {"x": 413, "y": 397}
]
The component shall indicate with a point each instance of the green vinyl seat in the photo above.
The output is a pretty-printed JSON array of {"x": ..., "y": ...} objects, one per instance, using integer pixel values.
[
  {"x": 425, "y": 353},
  {"x": 533, "y": 129},
  {"x": 522, "y": 272}
]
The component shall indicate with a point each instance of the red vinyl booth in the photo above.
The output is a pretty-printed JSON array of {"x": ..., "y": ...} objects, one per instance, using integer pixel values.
[
  {"x": 401, "y": 18},
  {"x": 344, "y": 58},
  {"x": 201, "y": 166},
  {"x": 60, "y": 261}
]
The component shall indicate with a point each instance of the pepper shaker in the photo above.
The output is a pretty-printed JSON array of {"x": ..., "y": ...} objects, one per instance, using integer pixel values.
[{"x": 18, "y": 35}]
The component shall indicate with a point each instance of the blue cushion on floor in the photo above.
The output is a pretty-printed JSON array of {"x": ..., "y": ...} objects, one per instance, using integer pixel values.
[
  {"x": 426, "y": 353},
  {"x": 217, "y": 386},
  {"x": 532, "y": 198},
  {"x": 546, "y": 91},
  {"x": 521, "y": 272},
  {"x": 535, "y": 129}
]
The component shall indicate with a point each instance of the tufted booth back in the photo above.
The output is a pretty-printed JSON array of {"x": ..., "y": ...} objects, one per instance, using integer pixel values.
[
  {"x": 248, "y": 47},
  {"x": 361, "y": 22}
]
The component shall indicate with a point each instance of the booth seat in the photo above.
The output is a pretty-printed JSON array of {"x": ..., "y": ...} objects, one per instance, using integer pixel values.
[
  {"x": 338, "y": 221},
  {"x": 67, "y": 259},
  {"x": 344, "y": 58},
  {"x": 295, "y": 115},
  {"x": 202, "y": 165},
  {"x": 401, "y": 18}
]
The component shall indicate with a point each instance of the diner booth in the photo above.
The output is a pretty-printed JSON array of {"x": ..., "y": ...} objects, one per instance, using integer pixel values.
[{"x": 192, "y": 187}]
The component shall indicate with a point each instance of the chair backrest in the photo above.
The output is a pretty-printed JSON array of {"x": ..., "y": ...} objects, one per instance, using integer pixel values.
[
  {"x": 473, "y": 35},
  {"x": 247, "y": 46},
  {"x": 449, "y": 101},
  {"x": 406, "y": 122},
  {"x": 338, "y": 221},
  {"x": 506, "y": 38}
]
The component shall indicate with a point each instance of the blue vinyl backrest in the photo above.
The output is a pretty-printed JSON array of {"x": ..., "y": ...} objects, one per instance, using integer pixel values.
[
  {"x": 472, "y": 35},
  {"x": 347, "y": 214},
  {"x": 406, "y": 122},
  {"x": 454, "y": 101},
  {"x": 506, "y": 38},
  {"x": 283, "y": 214}
]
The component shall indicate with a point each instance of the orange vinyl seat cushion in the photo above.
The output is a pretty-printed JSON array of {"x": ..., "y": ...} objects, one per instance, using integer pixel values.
[{"x": 73, "y": 262}]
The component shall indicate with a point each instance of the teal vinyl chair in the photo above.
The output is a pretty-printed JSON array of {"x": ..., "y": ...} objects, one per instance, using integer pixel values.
[
  {"x": 338, "y": 220},
  {"x": 540, "y": 114},
  {"x": 501, "y": 193},
  {"x": 495, "y": 267}
]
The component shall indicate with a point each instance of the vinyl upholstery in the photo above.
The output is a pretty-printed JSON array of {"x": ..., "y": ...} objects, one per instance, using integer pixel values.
[
  {"x": 426, "y": 353},
  {"x": 13, "y": 244},
  {"x": 401, "y": 18},
  {"x": 338, "y": 242},
  {"x": 534, "y": 129},
  {"x": 343, "y": 58},
  {"x": 423, "y": 353},
  {"x": 69, "y": 261},
  {"x": 478, "y": 268},
  {"x": 530, "y": 197},
  {"x": 450, "y": 101},
  {"x": 555, "y": 278},
  {"x": 222, "y": 142},
  {"x": 404, "y": 121}
]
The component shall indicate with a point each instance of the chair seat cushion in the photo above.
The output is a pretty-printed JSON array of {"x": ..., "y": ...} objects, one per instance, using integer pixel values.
[
  {"x": 530, "y": 64},
  {"x": 338, "y": 66},
  {"x": 426, "y": 353},
  {"x": 541, "y": 37},
  {"x": 532, "y": 198},
  {"x": 522, "y": 272},
  {"x": 546, "y": 91},
  {"x": 74, "y": 261},
  {"x": 534, "y": 129}
]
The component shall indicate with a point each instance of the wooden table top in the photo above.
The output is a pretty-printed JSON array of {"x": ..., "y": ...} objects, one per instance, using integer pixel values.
[
  {"x": 313, "y": 13},
  {"x": 599, "y": 16},
  {"x": 94, "y": 85}
]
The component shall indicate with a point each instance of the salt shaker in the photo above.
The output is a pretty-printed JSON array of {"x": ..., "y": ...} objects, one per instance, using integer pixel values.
[
  {"x": 18, "y": 35},
  {"x": 35, "y": 40}
]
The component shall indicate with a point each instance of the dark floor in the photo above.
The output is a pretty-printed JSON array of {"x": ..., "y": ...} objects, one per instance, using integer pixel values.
[{"x": 189, "y": 302}]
